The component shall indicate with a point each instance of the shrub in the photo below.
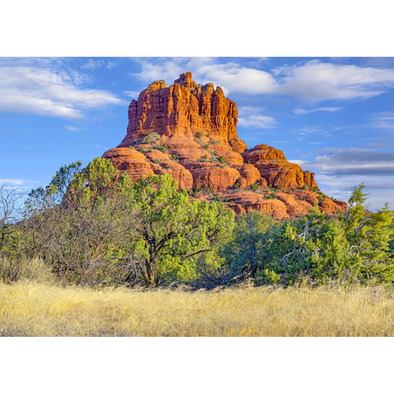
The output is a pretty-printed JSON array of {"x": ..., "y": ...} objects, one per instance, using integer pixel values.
[
  {"x": 221, "y": 159},
  {"x": 163, "y": 148},
  {"x": 152, "y": 138},
  {"x": 254, "y": 187}
]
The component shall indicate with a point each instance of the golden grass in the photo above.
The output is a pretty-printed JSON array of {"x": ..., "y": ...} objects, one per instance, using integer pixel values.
[{"x": 33, "y": 309}]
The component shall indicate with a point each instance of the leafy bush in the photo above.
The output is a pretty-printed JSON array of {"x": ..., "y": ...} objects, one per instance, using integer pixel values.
[
  {"x": 163, "y": 148},
  {"x": 254, "y": 186},
  {"x": 152, "y": 138}
]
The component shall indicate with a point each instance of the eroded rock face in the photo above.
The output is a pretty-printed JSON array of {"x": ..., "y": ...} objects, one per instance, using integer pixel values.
[
  {"x": 276, "y": 170},
  {"x": 184, "y": 107},
  {"x": 189, "y": 131}
]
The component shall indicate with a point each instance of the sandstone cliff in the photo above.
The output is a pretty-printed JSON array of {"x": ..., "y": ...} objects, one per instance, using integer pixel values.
[{"x": 189, "y": 130}]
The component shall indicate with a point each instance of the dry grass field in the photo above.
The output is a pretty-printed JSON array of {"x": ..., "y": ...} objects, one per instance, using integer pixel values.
[{"x": 34, "y": 309}]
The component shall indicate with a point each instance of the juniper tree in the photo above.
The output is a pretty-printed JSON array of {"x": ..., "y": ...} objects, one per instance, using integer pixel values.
[
  {"x": 353, "y": 247},
  {"x": 251, "y": 239},
  {"x": 173, "y": 232}
]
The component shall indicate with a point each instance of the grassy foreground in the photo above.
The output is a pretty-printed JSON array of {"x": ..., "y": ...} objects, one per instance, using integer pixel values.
[{"x": 32, "y": 309}]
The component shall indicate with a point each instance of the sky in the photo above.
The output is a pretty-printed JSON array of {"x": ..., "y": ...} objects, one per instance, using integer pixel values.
[{"x": 333, "y": 116}]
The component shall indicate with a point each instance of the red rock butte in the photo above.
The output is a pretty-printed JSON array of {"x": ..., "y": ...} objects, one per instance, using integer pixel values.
[{"x": 190, "y": 131}]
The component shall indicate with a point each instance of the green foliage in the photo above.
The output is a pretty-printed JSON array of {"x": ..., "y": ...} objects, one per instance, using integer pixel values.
[
  {"x": 152, "y": 138},
  {"x": 254, "y": 186},
  {"x": 175, "y": 157},
  {"x": 199, "y": 134},
  {"x": 352, "y": 248},
  {"x": 163, "y": 148},
  {"x": 221, "y": 159},
  {"x": 246, "y": 251},
  {"x": 92, "y": 183},
  {"x": 173, "y": 232}
]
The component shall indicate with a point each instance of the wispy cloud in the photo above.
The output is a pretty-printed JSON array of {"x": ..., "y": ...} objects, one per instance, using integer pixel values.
[
  {"x": 384, "y": 121},
  {"x": 72, "y": 128},
  {"x": 301, "y": 111},
  {"x": 317, "y": 81},
  {"x": 250, "y": 118},
  {"x": 132, "y": 94},
  {"x": 49, "y": 90},
  {"x": 257, "y": 122},
  {"x": 91, "y": 64},
  {"x": 22, "y": 184}
]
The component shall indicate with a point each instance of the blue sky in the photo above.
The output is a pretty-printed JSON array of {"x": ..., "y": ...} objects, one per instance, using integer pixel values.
[{"x": 333, "y": 116}]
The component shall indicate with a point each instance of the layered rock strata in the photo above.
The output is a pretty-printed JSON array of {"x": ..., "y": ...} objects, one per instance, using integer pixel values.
[{"x": 189, "y": 131}]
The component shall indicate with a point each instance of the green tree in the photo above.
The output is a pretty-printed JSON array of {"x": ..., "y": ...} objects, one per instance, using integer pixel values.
[
  {"x": 369, "y": 235},
  {"x": 246, "y": 251},
  {"x": 172, "y": 232},
  {"x": 349, "y": 248},
  {"x": 93, "y": 183}
]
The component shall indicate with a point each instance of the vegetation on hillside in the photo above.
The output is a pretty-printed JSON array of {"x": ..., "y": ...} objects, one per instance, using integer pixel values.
[{"x": 91, "y": 227}]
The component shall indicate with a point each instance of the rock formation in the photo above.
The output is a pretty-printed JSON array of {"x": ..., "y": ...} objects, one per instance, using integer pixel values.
[{"x": 189, "y": 131}]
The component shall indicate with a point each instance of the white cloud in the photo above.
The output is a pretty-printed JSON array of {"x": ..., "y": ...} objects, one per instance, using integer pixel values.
[
  {"x": 91, "y": 64},
  {"x": 300, "y": 111},
  {"x": 250, "y": 118},
  {"x": 316, "y": 81},
  {"x": 257, "y": 122},
  {"x": 15, "y": 182},
  {"x": 72, "y": 128},
  {"x": 49, "y": 91},
  {"x": 21, "y": 184},
  {"x": 384, "y": 122},
  {"x": 162, "y": 69},
  {"x": 238, "y": 79},
  {"x": 132, "y": 94}
]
